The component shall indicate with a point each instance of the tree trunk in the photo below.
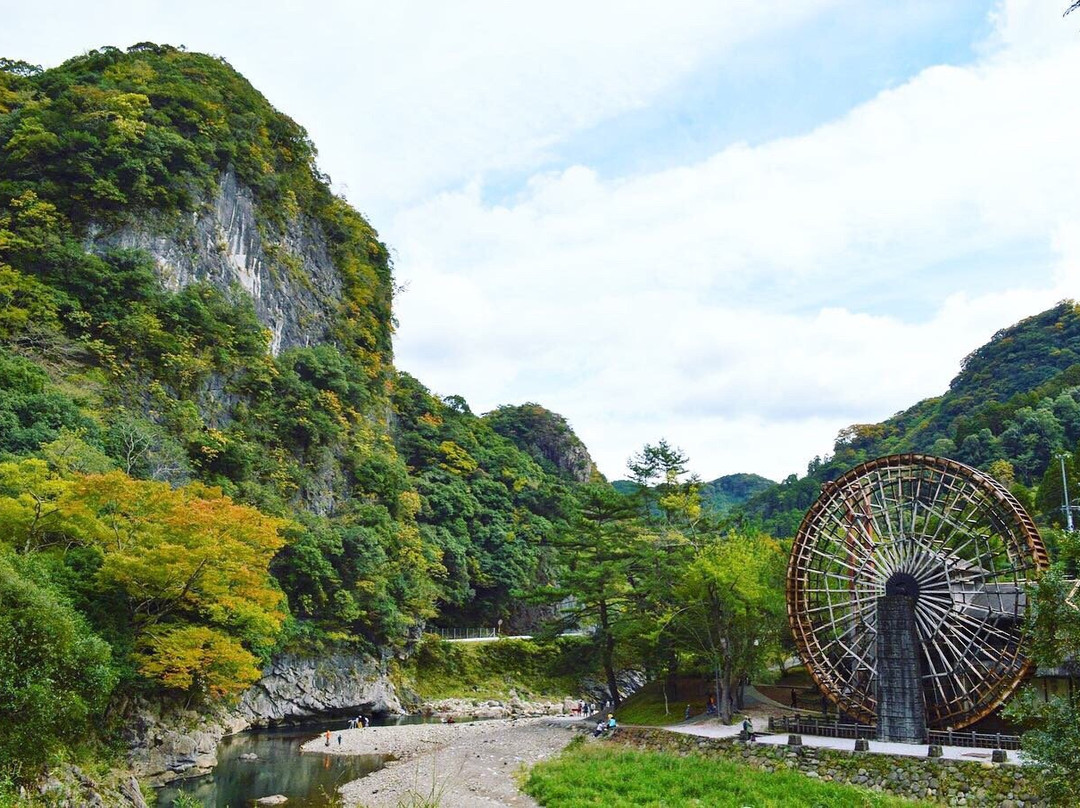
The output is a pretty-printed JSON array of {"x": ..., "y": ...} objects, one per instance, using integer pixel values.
[
  {"x": 609, "y": 655},
  {"x": 723, "y": 697},
  {"x": 671, "y": 681}
]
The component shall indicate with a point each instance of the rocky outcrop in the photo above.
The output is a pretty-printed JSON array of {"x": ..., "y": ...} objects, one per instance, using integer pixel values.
[
  {"x": 68, "y": 786},
  {"x": 547, "y": 437},
  {"x": 177, "y": 744},
  {"x": 289, "y": 276},
  {"x": 182, "y": 743},
  {"x": 511, "y": 707},
  {"x": 629, "y": 681},
  {"x": 299, "y": 688}
]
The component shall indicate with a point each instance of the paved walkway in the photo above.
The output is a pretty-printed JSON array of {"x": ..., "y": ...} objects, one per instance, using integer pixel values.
[
  {"x": 760, "y": 708},
  {"x": 717, "y": 730}
]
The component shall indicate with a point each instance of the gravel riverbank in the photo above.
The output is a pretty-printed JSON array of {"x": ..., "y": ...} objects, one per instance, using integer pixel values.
[{"x": 464, "y": 765}]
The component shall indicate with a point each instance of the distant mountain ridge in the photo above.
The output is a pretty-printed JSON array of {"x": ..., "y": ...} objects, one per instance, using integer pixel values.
[
  {"x": 719, "y": 495},
  {"x": 1014, "y": 405}
]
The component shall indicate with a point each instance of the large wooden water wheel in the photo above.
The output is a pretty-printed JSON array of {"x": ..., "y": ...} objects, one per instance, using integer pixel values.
[{"x": 947, "y": 535}]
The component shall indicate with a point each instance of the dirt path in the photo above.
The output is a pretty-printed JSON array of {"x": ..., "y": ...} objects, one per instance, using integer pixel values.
[{"x": 454, "y": 765}]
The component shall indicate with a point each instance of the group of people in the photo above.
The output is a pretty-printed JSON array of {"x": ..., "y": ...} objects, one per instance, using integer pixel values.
[
  {"x": 584, "y": 708},
  {"x": 360, "y": 722},
  {"x": 603, "y": 727}
]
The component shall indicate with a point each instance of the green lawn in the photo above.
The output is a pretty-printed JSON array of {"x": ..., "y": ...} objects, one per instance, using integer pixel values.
[
  {"x": 646, "y": 708},
  {"x": 589, "y": 774}
]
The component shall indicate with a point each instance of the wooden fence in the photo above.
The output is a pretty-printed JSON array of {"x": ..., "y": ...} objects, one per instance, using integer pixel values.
[{"x": 810, "y": 725}]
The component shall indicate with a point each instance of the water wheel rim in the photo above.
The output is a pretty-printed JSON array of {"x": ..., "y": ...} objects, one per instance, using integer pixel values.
[{"x": 954, "y": 535}]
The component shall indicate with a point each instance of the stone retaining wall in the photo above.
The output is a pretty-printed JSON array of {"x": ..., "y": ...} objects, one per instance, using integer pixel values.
[{"x": 946, "y": 782}]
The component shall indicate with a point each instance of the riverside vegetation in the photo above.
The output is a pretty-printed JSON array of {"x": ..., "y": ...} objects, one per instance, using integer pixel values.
[
  {"x": 208, "y": 458},
  {"x": 613, "y": 775}
]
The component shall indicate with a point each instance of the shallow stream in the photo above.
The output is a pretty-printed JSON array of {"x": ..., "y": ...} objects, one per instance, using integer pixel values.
[{"x": 309, "y": 780}]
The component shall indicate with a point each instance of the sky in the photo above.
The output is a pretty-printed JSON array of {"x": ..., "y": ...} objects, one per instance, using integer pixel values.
[{"x": 740, "y": 226}]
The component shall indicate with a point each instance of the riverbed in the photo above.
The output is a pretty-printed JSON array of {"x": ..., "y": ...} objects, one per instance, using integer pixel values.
[{"x": 309, "y": 780}]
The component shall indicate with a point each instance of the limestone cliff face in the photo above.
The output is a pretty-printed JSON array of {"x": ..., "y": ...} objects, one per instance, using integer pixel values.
[
  {"x": 290, "y": 276},
  {"x": 298, "y": 688}
]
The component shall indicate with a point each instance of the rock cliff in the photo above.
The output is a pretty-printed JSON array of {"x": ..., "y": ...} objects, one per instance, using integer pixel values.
[
  {"x": 290, "y": 275},
  {"x": 298, "y": 688},
  {"x": 548, "y": 438},
  {"x": 183, "y": 743}
]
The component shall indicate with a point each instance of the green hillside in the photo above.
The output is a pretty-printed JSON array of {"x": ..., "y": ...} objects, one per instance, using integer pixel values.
[
  {"x": 206, "y": 453},
  {"x": 718, "y": 496},
  {"x": 724, "y": 493},
  {"x": 1012, "y": 408}
]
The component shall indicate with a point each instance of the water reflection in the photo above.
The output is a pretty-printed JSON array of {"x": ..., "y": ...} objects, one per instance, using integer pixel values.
[{"x": 309, "y": 780}]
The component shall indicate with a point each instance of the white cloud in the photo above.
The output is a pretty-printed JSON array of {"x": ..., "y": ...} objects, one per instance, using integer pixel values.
[
  {"x": 750, "y": 305},
  {"x": 746, "y": 306},
  {"x": 406, "y": 98}
]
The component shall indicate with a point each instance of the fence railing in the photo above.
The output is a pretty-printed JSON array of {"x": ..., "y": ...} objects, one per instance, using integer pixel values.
[
  {"x": 491, "y": 633},
  {"x": 809, "y": 725},
  {"x": 979, "y": 740},
  {"x": 470, "y": 633}
]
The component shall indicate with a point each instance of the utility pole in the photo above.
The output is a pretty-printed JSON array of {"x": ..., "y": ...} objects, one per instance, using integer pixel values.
[{"x": 1065, "y": 488}]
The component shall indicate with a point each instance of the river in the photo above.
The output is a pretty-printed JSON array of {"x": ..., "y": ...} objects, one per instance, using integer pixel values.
[{"x": 308, "y": 780}]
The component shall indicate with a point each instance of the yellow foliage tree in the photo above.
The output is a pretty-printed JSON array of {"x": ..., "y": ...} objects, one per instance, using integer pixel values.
[{"x": 191, "y": 564}]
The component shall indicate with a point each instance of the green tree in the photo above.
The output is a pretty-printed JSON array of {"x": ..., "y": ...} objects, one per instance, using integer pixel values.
[
  {"x": 732, "y": 613},
  {"x": 55, "y": 673},
  {"x": 602, "y": 558}
]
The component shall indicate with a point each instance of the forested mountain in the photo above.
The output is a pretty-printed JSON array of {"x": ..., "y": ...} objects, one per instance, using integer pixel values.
[
  {"x": 206, "y": 453},
  {"x": 1013, "y": 407},
  {"x": 718, "y": 496},
  {"x": 724, "y": 493},
  {"x": 548, "y": 439}
]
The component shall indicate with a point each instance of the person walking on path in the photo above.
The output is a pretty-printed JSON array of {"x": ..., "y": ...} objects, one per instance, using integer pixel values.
[
  {"x": 328, "y": 737},
  {"x": 794, "y": 699},
  {"x": 748, "y": 729}
]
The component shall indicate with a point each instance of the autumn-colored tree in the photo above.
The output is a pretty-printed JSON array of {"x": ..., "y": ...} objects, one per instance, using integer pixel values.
[{"x": 189, "y": 565}]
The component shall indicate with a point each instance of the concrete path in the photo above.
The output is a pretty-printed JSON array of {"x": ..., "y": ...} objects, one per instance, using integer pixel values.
[
  {"x": 760, "y": 708},
  {"x": 717, "y": 730}
]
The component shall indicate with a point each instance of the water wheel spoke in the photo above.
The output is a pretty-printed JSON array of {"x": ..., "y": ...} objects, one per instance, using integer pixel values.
[{"x": 944, "y": 534}]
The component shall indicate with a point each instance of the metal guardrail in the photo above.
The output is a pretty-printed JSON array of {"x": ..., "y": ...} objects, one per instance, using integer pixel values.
[
  {"x": 471, "y": 633},
  {"x": 809, "y": 725},
  {"x": 492, "y": 633}
]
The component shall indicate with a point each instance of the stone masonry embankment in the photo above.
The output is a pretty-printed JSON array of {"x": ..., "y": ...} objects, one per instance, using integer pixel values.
[{"x": 946, "y": 782}]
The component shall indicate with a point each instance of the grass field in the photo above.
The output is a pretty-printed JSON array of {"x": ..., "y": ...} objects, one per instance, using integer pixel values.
[
  {"x": 646, "y": 707},
  {"x": 596, "y": 774}
]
